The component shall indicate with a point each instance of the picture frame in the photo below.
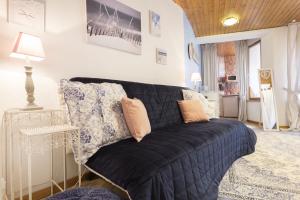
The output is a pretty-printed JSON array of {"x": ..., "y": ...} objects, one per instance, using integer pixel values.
[
  {"x": 30, "y": 13},
  {"x": 161, "y": 56},
  {"x": 112, "y": 24},
  {"x": 155, "y": 24}
]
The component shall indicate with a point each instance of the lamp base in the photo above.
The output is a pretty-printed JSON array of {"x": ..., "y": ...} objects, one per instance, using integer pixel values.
[
  {"x": 29, "y": 86},
  {"x": 32, "y": 108}
]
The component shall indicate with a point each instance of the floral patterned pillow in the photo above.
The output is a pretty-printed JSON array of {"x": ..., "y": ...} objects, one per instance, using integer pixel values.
[
  {"x": 93, "y": 108},
  {"x": 109, "y": 99}
]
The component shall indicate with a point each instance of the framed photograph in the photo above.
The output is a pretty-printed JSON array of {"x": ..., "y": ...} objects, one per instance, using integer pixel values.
[
  {"x": 114, "y": 25},
  {"x": 155, "y": 28},
  {"x": 29, "y": 13},
  {"x": 161, "y": 57}
]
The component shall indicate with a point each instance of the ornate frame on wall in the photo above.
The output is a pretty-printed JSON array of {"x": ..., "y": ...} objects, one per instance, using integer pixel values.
[{"x": 266, "y": 77}]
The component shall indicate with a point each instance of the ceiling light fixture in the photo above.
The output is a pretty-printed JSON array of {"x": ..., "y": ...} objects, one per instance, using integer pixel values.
[{"x": 230, "y": 21}]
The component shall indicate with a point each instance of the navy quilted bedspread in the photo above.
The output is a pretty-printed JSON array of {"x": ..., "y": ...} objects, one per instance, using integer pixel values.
[
  {"x": 180, "y": 162},
  {"x": 176, "y": 161}
]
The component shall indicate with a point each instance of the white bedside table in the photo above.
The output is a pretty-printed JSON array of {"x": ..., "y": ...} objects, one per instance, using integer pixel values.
[
  {"x": 52, "y": 137},
  {"x": 13, "y": 121}
]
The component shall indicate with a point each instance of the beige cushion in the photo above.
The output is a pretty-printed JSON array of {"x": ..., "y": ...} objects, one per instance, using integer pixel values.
[
  {"x": 193, "y": 95},
  {"x": 192, "y": 111},
  {"x": 136, "y": 118},
  {"x": 209, "y": 108}
]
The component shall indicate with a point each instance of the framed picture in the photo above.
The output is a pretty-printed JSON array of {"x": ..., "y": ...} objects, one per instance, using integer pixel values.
[
  {"x": 154, "y": 24},
  {"x": 114, "y": 25},
  {"x": 29, "y": 13},
  {"x": 161, "y": 57}
]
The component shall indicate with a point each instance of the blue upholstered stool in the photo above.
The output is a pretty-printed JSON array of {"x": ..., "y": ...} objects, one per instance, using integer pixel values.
[{"x": 86, "y": 194}]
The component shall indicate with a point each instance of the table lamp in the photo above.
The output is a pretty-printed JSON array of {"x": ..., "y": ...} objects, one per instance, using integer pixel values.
[
  {"x": 29, "y": 48},
  {"x": 196, "y": 77}
]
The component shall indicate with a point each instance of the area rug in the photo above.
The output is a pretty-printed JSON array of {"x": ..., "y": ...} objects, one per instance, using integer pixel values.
[{"x": 271, "y": 173}]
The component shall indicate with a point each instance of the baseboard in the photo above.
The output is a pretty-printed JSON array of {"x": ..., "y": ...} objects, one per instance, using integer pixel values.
[
  {"x": 284, "y": 127},
  {"x": 253, "y": 122},
  {"x": 43, "y": 193},
  {"x": 260, "y": 123}
]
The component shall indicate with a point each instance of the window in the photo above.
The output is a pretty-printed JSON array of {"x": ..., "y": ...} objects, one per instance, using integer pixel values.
[{"x": 254, "y": 66}]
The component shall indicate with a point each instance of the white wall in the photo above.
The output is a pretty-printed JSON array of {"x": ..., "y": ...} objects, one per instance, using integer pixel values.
[
  {"x": 274, "y": 55},
  {"x": 229, "y": 37},
  {"x": 190, "y": 65},
  {"x": 68, "y": 54},
  {"x": 253, "y": 111}
]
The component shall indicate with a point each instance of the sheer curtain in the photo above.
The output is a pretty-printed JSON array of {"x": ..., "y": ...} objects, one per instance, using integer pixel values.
[
  {"x": 210, "y": 66},
  {"x": 242, "y": 70},
  {"x": 2, "y": 160},
  {"x": 293, "y": 70}
]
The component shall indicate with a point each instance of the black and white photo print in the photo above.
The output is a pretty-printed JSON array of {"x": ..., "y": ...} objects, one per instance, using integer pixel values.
[{"x": 115, "y": 25}]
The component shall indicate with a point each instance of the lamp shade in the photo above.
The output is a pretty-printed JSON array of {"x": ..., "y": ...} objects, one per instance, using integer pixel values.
[
  {"x": 28, "y": 47},
  {"x": 196, "y": 77}
]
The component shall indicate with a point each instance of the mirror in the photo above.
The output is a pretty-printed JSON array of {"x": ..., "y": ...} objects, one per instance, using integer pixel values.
[{"x": 268, "y": 101}]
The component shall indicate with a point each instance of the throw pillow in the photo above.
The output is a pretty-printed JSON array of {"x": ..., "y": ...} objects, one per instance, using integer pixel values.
[
  {"x": 192, "y": 111},
  {"x": 136, "y": 118},
  {"x": 192, "y": 95},
  {"x": 96, "y": 110},
  {"x": 84, "y": 113},
  {"x": 109, "y": 98}
]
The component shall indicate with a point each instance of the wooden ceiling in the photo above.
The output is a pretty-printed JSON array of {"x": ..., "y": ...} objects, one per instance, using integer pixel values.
[{"x": 206, "y": 15}]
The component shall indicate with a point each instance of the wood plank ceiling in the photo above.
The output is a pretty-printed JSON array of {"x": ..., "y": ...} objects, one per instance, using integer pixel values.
[{"x": 206, "y": 15}]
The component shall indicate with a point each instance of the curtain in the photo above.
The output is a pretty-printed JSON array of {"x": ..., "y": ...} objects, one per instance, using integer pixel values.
[
  {"x": 3, "y": 159},
  {"x": 242, "y": 72},
  {"x": 210, "y": 67},
  {"x": 293, "y": 76}
]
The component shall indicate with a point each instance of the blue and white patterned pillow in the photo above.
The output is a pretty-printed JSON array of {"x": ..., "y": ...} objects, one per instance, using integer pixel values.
[
  {"x": 94, "y": 109},
  {"x": 110, "y": 96}
]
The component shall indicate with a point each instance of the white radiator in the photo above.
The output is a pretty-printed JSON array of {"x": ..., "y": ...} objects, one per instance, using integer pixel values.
[{"x": 230, "y": 105}]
